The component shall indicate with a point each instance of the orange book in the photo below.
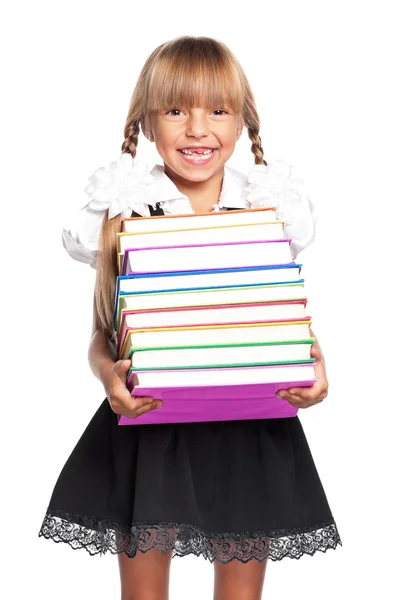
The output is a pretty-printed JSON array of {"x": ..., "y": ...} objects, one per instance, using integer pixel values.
[{"x": 248, "y": 216}]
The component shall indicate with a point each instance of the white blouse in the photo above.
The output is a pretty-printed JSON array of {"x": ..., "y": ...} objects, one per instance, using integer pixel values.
[{"x": 125, "y": 185}]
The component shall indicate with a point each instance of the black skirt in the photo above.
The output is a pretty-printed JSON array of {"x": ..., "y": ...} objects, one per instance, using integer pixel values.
[{"x": 222, "y": 490}]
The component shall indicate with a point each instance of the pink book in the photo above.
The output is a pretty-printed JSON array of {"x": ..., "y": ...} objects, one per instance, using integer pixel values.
[{"x": 224, "y": 402}]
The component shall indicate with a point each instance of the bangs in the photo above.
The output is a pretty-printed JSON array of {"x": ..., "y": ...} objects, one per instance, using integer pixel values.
[{"x": 194, "y": 75}]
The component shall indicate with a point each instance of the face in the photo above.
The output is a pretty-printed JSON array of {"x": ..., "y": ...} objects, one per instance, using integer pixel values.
[{"x": 194, "y": 143}]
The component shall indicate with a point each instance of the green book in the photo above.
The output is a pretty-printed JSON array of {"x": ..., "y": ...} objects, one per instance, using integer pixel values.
[{"x": 221, "y": 355}]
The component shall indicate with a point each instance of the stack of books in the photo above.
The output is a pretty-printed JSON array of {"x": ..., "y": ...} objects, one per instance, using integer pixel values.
[{"x": 211, "y": 310}]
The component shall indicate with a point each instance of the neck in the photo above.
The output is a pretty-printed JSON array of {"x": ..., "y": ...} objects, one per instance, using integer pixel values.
[{"x": 202, "y": 194}]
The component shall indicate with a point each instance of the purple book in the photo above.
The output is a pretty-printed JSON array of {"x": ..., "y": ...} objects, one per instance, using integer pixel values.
[
  {"x": 197, "y": 256},
  {"x": 229, "y": 402}
]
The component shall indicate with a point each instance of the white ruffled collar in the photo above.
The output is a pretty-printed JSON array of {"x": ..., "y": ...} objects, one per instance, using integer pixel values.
[
  {"x": 164, "y": 192},
  {"x": 126, "y": 185}
]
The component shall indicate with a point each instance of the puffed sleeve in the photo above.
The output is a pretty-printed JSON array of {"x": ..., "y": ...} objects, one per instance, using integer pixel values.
[
  {"x": 277, "y": 184},
  {"x": 81, "y": 235},
  {"x": 118, "y": 188}
]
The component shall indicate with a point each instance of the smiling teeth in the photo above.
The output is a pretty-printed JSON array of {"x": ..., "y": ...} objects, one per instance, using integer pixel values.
[{"x": 190, "y": 153}]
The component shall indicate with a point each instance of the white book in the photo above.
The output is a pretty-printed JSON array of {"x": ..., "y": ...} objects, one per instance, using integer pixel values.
[
  {"x": 207, "y": 235},
  {"x": 211, "y": 256},
  {"x": 202, "y": 335},
  {"x": 185, "y": 357},
  {"x": 195, "y": 220}
]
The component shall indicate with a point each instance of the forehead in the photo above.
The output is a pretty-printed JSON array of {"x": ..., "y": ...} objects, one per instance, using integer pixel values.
[{"x": 202, "y": 88}]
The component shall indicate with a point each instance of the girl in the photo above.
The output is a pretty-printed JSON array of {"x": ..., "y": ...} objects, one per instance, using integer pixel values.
[{"x": 235, "y": 492}]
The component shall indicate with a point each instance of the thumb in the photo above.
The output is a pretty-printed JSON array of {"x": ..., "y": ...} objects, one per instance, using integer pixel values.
[
  {"x": 124, "y": 367},
  {"x": 315, "y": 352}
]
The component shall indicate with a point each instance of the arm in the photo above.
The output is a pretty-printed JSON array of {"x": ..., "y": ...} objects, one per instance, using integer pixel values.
[
  {"x": 304, "y": 397},
  {"x": 112, "y": 373},
  {"x": 102, "y": 354}
]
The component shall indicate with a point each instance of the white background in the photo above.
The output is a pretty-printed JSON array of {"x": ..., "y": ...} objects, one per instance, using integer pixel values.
[{"x": 321, "y": 74}]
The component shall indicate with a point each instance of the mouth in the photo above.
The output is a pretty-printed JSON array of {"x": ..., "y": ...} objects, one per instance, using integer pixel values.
[{"x": 197, "y": 155}]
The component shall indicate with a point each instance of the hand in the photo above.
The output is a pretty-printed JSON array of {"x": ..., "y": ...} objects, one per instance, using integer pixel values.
[
  {"x": 305, "y": 397},
  {"x": 119, "y": 397}
]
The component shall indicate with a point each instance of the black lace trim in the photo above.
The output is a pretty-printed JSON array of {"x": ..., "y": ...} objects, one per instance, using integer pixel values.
[{"x": 99, "y": 536}]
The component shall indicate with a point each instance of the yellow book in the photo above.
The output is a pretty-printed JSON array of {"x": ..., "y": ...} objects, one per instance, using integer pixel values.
[
  {"x": 270, "y": 230},
  {"x": 120, "y": 262}
]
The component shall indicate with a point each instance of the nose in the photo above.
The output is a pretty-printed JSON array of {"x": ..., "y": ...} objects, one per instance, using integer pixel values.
[{"x": 197, "y": 125}]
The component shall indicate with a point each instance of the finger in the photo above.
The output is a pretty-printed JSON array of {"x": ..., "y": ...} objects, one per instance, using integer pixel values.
[
  {"x": 295, "y": 391},
  {"x": 148, "y": 407},
  {"x": 286, "y": 395},
  {"x": 293, "y": 400},
  {"x": 135, "y": 405},
  {"x": 289, "y": 397},
  {"x": 141, "y": 405},
  {"x": 140, "y": 401},
  {"x": 305, "y": 393},
  {"x": 146, "y": 403},
  {"x": 298, "y": 394},
  {"x": 300, "y": 403},
  {"x": 300, "y": 390},
  {"x": 310, "y": 391}
]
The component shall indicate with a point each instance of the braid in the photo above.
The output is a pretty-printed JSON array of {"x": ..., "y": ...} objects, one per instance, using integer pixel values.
[
  {"x": 257, "y": 148},
  {"x": 131, "y": 131}
]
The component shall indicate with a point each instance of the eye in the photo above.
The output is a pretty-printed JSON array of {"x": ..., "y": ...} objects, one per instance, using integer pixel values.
[
  {"x": 177, "y": 110},
  {"x": 173, "y": 110}
]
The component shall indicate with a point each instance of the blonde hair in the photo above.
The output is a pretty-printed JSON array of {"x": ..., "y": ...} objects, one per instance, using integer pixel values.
[{"x": 191, "y": 71}]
